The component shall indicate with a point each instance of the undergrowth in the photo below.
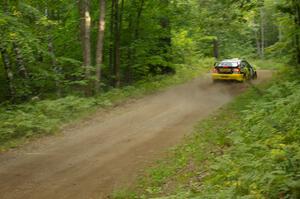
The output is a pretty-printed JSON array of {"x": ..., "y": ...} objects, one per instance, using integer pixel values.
[
  {"x": 267, "y": 64},
  {"x": 36, "y": 118},
  {"x": 249, "y": 149}
]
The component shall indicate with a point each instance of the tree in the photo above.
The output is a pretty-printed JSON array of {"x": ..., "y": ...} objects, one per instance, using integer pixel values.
[
  {"x": 86, "y": 40},
  {"x": 99, "y": 52},
  {"x": 134, "y": 35},
  {"x": 262, "y": 33},
  {"x": 8, "y": 72},
  {"x": 111, "y": 39},
  {"x": 42, "y": 54},
  {"x": 296, "y": 5},
  {"x": 19, "y": 61}
]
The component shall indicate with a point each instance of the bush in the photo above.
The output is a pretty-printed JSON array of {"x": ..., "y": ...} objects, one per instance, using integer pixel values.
[{"x": 264, "y": 159}]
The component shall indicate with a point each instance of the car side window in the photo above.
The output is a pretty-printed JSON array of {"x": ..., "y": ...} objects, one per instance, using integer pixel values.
[
  {"x": 248, "y": 65},
  {"x": 250, "y": 69},
  {"x": 245, "y": 69},
  {"x": 243, "y": 64}
]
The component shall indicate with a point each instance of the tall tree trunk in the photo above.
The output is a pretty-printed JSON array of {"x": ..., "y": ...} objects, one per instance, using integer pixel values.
[
  {"x": 128, "y": 72},
  {"x": 138, "y": 19},
  {"x": 8, "y": 73},
  {"x": 280, "y": 36},
  {"x": 111, "y": 39},
  {"x": 20, "y": 62},
  {"x": 136, "y": 35},
  {"x": 5, "y": 6},
  {"x": 280, "y": 32},
  {"x": 55, "y": 67},
  {"x": 262, "y": 29},
  {"x": 216, "y": 48},
  {"x": 165, "y": 40},
  {"x": 165, "y": 25},
  {"x": 258, "y": 46},
  {"x": 257, "y": 34},
  {"x": 99, "y": 52},
  {"x": 86, "y": 40},
  {"x": 297, "y": 26},
  {"x": 118, "y": 26}
]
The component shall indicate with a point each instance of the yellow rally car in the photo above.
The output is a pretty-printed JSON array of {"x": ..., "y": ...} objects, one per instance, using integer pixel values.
[{"x": 233, "y": 69}]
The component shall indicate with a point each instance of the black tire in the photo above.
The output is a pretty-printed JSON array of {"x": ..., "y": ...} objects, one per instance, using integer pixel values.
[
  {"x": 244, "y": 78},
  {"x": 255, "y": 75}
]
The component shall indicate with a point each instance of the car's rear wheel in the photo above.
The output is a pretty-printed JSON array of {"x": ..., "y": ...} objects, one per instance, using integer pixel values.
[
  {"x": 255, "y": 75},
  {"x": 245, "y": 78}
]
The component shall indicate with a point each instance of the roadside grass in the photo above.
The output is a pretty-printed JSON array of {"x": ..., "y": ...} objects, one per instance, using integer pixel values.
[
  {"x": 267, "y": 64},
  {"x": 45, "y": 117},
  {"x": 249, "y": 149}
]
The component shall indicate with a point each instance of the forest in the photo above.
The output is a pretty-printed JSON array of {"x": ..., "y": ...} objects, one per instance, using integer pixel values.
[
  {"x": 53, "y": 49},
  {"x": 114, "y": 80}
]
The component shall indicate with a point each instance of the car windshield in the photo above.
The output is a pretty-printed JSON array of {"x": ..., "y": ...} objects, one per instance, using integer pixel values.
[{"x": 227, "y": 63}]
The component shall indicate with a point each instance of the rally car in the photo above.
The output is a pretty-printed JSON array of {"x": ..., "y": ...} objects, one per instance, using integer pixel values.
[{"x": 233, "y": 69}]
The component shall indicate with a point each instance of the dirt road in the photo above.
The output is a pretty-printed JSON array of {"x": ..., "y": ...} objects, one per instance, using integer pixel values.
[{"x": 94, "y": 157}]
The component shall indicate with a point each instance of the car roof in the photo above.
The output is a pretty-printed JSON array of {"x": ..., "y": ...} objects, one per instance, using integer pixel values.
[{"x": 232, "y": 60}]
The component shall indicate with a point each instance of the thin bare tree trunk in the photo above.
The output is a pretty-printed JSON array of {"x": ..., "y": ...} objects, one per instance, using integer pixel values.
[
  {"x": 5, "y": 4},
  {"x": 128, "y": 72},
  {"x": 262, "y": 29},
  {"x": 165, "y": 41},
  {"x": 118, "y": 24},
  {"x": 19, "y": 61},
  {"x": 135, "y": 35},
  {"x": 86, "y": 40},
  {"x": 111, "y": 39},
  {"x": 99, "y": 52},
  {"x": 8, "y": 73},
  {"x": 280, "y": 32},
  {"x": 55, "y": 67},
  {"x": 216, "y": 48},
  {"x": 138, "y": 19},
  {"x": 257, "y": 37},
  {"x": 297, "y": 25},
  {"x": 280, "y": 36}
]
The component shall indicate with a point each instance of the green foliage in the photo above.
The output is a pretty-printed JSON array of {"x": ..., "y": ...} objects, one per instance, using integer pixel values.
[
  {"x": 155, "y": 35},
  {"x": 263, "y": 161},
  {"x": 248, "y": 150},
  {"x": 36, "y": 118}
]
